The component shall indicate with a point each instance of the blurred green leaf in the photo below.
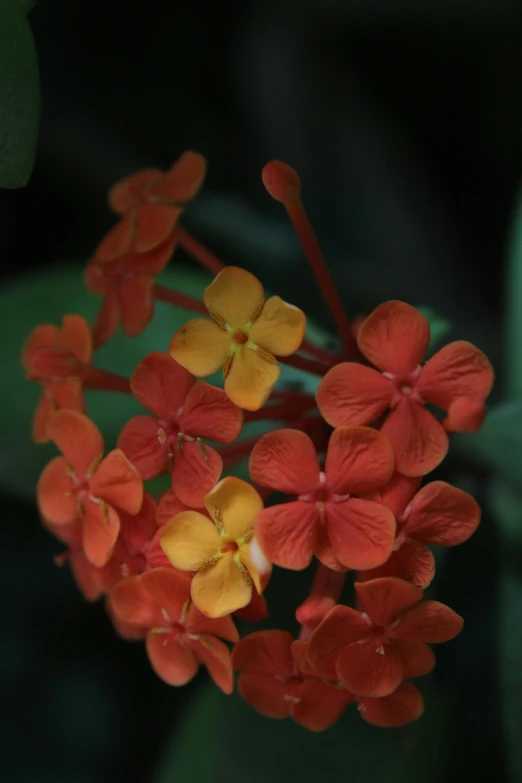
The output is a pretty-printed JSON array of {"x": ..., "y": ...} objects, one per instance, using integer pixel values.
[
  {"x": 439, "y": 327},
  {"x": 513, "y": 305},
  {"x": 19, "y": 96}
]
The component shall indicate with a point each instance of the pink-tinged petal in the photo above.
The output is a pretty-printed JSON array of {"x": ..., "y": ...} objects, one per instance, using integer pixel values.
[
  {"x": 118, "y": 241},
  {"x": 107, "y": 320},
  {"x": 86, "y": 577},
  {"x": 352, "y": 394},
  {"x": 136, "y": 303},
  {"x": 412, "y": 561},
  {"x": 78, "y": 438},
  {"x": 358, "y": 460},
  {"x": 418, "y": 439},
  {"x": 155, "y": 224},
  {"x": 196, "y": 472},
  {"x": 132, "y": 604},
  {"x": 429, "y": 622},
  {"x": 142, "y": 440},
  {"x": 174, "y": 663},
  {"x": 127, "y": 193},
  {"x": 153, "y": 262},
  {"x": 101, "y": 525},
  {"x": 223, "y": 627},
  {"x": 182, "y": 181},
  {"x": 397, "y": 493},
  {"x": 42, "y": 416},
  {"x": 342, "y": 626},
  {"x": 265, "y": 652},
  {"x": 361, "y": 532},
  {"x": 169, "y": 507},
  {"x": 365, "y": 670},
  {"x": 208, "y": 413},
  {"x": 118, "y": 482},
  {"x": 138, "y": 529},
  {"x": 398, "y": 709},
  {"x": 418, "y": 659},
  {"x": 265, "y": 694},
  {"x": 285, "y": 460},
  {"x": 67, "y": 393},
  {"x": 394, "y": 337},
  {"x": 442, "y": 514},
  {"x": 286, "y": 534},
  {"x": 56, "y": 499},
  {"x": 215, "y": 656},
  {"x": 457, "y": 370},
  {"x": 161, "y": 385},
  {"x": 320, "y": 705},
  {"x": 386, "y": 598}
]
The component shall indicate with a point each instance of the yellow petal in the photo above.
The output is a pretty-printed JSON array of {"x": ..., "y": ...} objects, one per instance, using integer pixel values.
[
  {"x": 235, "y": 295},
  {"x": 251, "y": 379},
  {"x": 234, "y": 504},
  {"x": 280, "y": 327},
  {"x": 248, "y": 562},
  {"x": 200, "y": 346},
  {"x": 221, "y": 588},
  {"x": 190, "y": 540}
]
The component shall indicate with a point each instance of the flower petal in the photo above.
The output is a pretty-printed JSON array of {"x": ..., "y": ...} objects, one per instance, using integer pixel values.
[
  {"x": 220, "y": 588},
  {"x": 101, "y": 525},
  {"x": 442, "y": 514},
  {"x": 138, "y": 529},
  {"x": 161, "y": 385},
  {"x": 465, "y": 414},
  {"x": 118, "y": 482},
  {"x": 265, "y": 652},
  {"x": 136, "y": 302},
  {"x": 67, "y": 393},
  {"x": 155, "y": 556},
  {"x": 140, "y": 442},
  {"x": 215, "y": 656},
  {"x": 168, "y": 507},
  {"x": 358, "y": 460},
  {"x": 235, "y": 295},
  {"x": 279, "y": 328},
  {"x": 43, "y": 336},
  {"x": 394, "y": 337},
  {"x": 107, "y": 320},
  {"x": 429, "y": 622},
  {"x": 413, "y": 562},
  {"x": 255, "y": 611},
  {"x": 169, "y": 590},
  {"x": 174, "y": 663},
  {"x": 386, "y": 598},
  {"x": 56, "y": 499},
  {"x": 78, "y": 438},
  {"x": 287, "y": 533},
  {"x": 285, "y": 460},
  {"x": 418, "y": 659},
  {"x": 265, "y": 694},
  {"x": 153, "y": 262},
  {"x": 352, "y": 394},
  {"x": 365, "y": 671},
  {"x": 44, "y": 411},
  {"x": 118, "y": 241},
  {"x": 236, "y": 504},
  {"x": 76, "y": 336},
  {"x": 361, "y": 532},
  {"x": 86, "y": 577},
  {"x": 417, "y": 438},
  {"x": 195, "y": 472},
  {"x": 183, "y": 180},
  {"x": 223, "y": 627},
  {"x": 251, "y": 379},
  {"x": 190, "y": 540},
  {"x": 155, "y": 224},
  {"x": 126, "y": 193},
  {"x": 397, "y": 493},
  {"x": 320, "y": 704},
  {"x": 259, "y": 578},
  {"x": 200, "y": 346},
  {"x": 457, "y": 370},
  {"x": 398, "y": 709},
  {"x": 208, "y": 413},
  {"x": 342, "y": 626},
  {"x": 133, "y": 604}
]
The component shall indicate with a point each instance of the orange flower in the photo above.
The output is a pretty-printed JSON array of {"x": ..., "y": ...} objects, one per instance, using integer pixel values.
[
  {"x": 82, "y": 484},
  {"x": 52, "y": 356},
  {"x": 86, "y": 576},
  {"x": 218, "y": 549},
  {"x": 245, "y": 337}
]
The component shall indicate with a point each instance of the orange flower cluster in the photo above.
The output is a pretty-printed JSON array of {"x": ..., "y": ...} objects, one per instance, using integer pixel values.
[{"x": 178, "y": 570}]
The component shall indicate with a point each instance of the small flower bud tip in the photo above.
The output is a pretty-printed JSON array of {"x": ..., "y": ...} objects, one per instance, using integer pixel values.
[{"x": 281, "y": 181}]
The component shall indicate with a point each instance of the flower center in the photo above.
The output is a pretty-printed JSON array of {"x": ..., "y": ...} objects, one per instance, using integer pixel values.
[
  {"x": 230, "y": 547},
  {"x": 240, "y": 337},
  {"x": 405, "y": 386}
]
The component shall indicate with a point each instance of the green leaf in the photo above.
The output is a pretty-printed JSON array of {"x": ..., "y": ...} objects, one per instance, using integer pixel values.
[
  {"x": 439, "y": 326},
  {"x": 19, "y": 97}
]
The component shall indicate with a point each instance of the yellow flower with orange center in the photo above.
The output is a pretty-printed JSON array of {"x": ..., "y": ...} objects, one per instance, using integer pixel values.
[
  {"x": 219, "y": 549},
  {"x": 244, "y": 338}
]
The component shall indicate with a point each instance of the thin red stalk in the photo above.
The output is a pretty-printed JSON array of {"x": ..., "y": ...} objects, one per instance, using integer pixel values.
[
  {"x": 284, "y": 410},
  {"x": 319, "y": 353},
  {"x": 199, "y": 252},
  {"x": 328, "y": 583},
  {"x": 304, "y": 363},
  {"x": 181, "y": 300},
  {"x": 96, "y": 378},
  {"x": 234, "y": 452}
]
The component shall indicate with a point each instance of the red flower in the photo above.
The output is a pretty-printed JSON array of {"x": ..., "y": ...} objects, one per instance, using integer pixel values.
[
  {"x": 375, "y": 650},
  {"x": 186, "y": 411},
  {"x": 457, "y": 379},
  {"x": 438, "y": 514},
  {"x": 178, "y": 637},
  {"x": 150, "y": 203},
  {"x": 82, "y": 484},
  {"x": 86, "y": 576},
  {"x": 52, "y": 356},
  {"x": 343, "y": 531}
]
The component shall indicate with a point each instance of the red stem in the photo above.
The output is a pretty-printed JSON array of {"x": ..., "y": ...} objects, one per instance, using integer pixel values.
[
  {"x": 328, "y": 583},
  {"x": 319, "y": 353},
  {"x": 199, "y": 252},
  {"x": 235, "y": 452},
  {"x": 282, "y": 411},
  {"x": 96, "y": 378},
  {"x": 304, "y": 363},
  {"x": 181, "y": 300}
]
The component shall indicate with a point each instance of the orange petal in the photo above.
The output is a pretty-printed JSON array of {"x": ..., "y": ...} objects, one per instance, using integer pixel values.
[
  {"x": 429, "y": 622},
  {"x": 394, "y": 337},
  {"x": 118, "y": 482},
  {"x": 287, "y": 534},
  {"x": 197, "y": 624},
  {"x": 398, "y": 709},
  {"x": 418, "y": 659},
  {"x": 155, "y": 225},
  {"x": 107, "y": 320},
  {"x": 161, "y": 385},
  {"x": 132, "y": 603},
  {"x": 285, "y": 460},
  {"x": 67, "y": 393},
  {"x": 361, "y": 532},
  {"x": 215, "y": 656},
  {"x": 465, "y": 414},
  {"x": 413, "y": 562},
  {"x": 42, "y": 416},
  {"x": 190, "y": 540},
  {"x": 168, "y": 507},
  {"x": 251, "y": 379},
  {"x": 279, "y": 328},
  {"x": 265, "y": 694},
  {"x": 397, "y": 493},
  {"x": 442, "y": 514},
  {"x": 181, "y": 183},
  {"x": 76, "y": 336},
  {"x": 86, "y": 577},
  {"x": 418, "y": 440},
  {"x": 220, "y": 588},
  {"x": 359, "y": 460},
  {"x": 365, "y": 671},
  {"x": 118, "y": 241},
  {"x": 235, "y": 295},
  {"x": 140, "y": 442},
  {"x": 101, "y": 525},
  {"x": 98, "y": 276},
  {"x": 43, "y": 336},
  {"x": 235, "y": 504},
  {"x": 56, "y": 498},
  {"x": 320, "y": 704},
  {"x": 208, "y": 413},
  {"x": 196, "y": 471},
  {"x": 342, "y": 626},
  {"x": 457, "y": 370},
  {"x": 245, "y": 557},
  {"x": 387, "y": 598},
  {"x": 200, "y": 346},
  {"x": 126, "y": 193},
  {"x": 136, "y": 302},
  {"x": 152, "y": 262},
  {"x": 174, "y": 663},
  {"x": 78, "y": 438},
  {"x": 168, "y": 590},
  {"x": 352, "y": 394},
  {"x": 265, "y": 652}
]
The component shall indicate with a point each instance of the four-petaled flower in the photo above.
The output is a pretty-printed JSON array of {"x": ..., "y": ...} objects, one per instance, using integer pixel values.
[
  {"x": 244, "y": 338},
  {"x": 86, "y": 576},
  {"x": 457, "y": 379},
  {"x": 52, "y": 356},
  {"x": 178, "y": 637},
  {"x": 219, "y": 549},
  {"x": 343, "y": 531},
  {"x": 186, "y": 411},
  {"x": 82, "y": 484},
  {"x": 378, "y": 648}
]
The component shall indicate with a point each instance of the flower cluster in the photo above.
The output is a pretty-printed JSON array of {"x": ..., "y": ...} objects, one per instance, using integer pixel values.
[{"x": 179, "y": 569}]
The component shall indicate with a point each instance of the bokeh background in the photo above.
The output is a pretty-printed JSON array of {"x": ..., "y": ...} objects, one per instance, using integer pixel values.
[{"x": 404, "y": 120}]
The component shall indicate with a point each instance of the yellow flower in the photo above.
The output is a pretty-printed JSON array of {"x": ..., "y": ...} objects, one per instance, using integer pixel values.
[
  {"x": 244, "y": 338},
  {"x": 218, "y": 549}
]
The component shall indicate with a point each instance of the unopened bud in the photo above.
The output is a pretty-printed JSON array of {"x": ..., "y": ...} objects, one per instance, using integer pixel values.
[
  {"x": 55, "y": 362},
  {"x": 281, "y": 181}
]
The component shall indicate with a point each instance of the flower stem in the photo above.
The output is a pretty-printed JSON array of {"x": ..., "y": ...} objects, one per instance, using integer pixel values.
[
  {"x": 180, "y": 300},
  {"x": 304, "y": 363},
  {"x": 328, "y": 583},
  {"x": 96, "y": 378},
  {"x": 235, "y": 452},
  {"x": 282, "y": 411},
  {"x": 318, "y": 353},
  {"x": 199, "y": 252}
]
